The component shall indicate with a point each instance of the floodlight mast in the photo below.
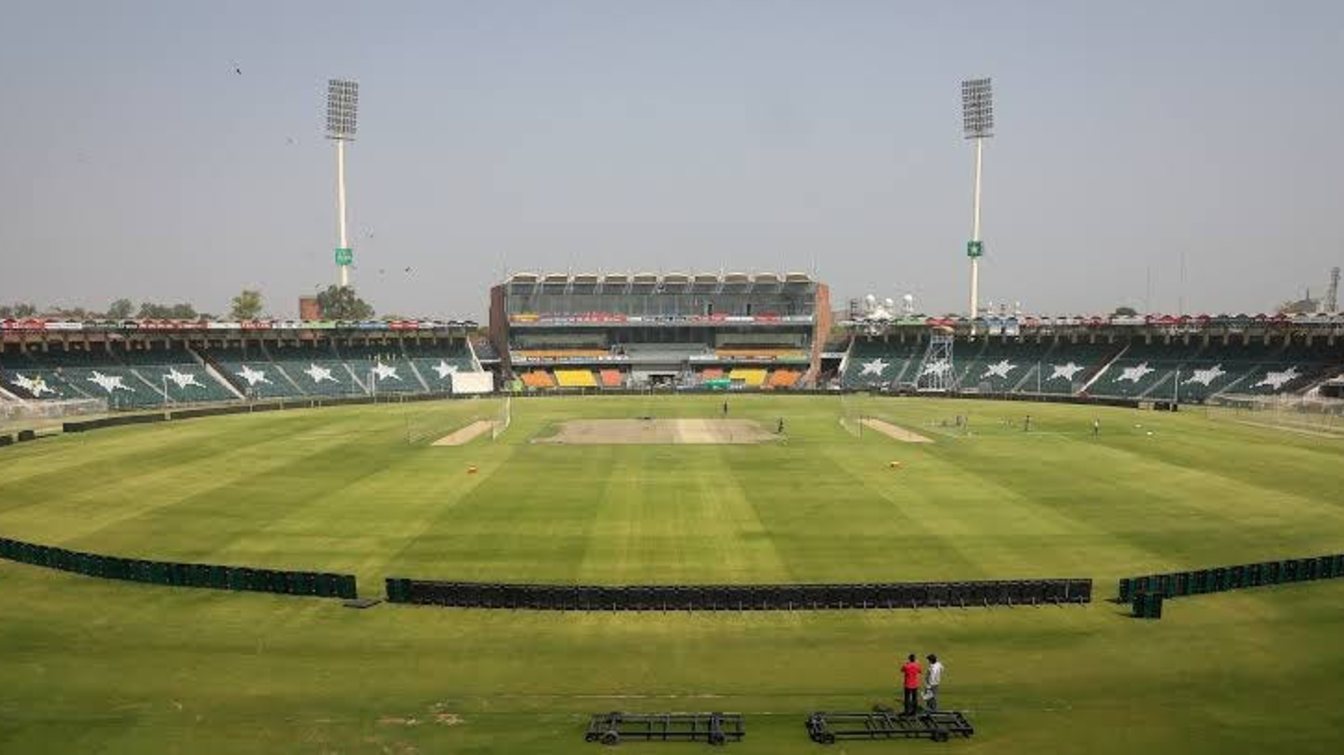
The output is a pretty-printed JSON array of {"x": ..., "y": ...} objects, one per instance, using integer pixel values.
[
  {"x": 342, "y": 106},
  {"x": 977, "y": 112}
]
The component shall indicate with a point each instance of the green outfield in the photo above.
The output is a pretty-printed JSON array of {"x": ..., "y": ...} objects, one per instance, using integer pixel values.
[{"x": 99, "y": 666}]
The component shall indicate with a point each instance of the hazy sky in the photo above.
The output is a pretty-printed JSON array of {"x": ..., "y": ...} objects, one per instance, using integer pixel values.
[{"x": 676, "y": 135}]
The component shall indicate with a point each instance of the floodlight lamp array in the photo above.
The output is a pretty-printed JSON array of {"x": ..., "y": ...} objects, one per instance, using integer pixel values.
[
  {"x": 342, "y": 105},
  {"x": 977, "y": 108}
]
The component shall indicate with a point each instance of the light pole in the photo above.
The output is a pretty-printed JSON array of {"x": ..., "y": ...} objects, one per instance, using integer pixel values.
[
  {"x": 977, "y": 117},
  {"x": 342, "y": 104}
]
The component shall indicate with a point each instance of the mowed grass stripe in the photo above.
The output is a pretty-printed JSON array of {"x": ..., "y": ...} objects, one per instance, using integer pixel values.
[
  {"x": 704, "y": 530},
  {"x": 117, "y": 508}
]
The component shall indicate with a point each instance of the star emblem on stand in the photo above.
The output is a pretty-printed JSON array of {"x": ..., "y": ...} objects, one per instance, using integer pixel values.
[
  {"x": 1136, "y": 373},
  {"x": 35, "y": 385},
  {"x": 1000, "y": 368},
  {"x": 1066, "y": 371},
  {"x": 109, "y": 383},
  {"x": 1276, "y": 380},
  {"x": 444, "y": 369},
  {"x": 875, "y": 367},
  {"x": 181, "y": 379},
  {"x": 253, "y": 376},
  {"x": 1206, "y": 376},
  {"x": 319, "y": 373}
]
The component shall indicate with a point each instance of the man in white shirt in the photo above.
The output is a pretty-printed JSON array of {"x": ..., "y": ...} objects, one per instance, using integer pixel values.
[{"x": 933, "y": 678}]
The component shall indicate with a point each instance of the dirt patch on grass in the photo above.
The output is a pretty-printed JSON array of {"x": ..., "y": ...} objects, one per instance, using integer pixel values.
[
  {"x": 399, "y": 721},
  {"x": 447, "y": 719},
  {"x": 659, "y": 431},
  {"x": 467, "y": 434},
  {"x": 892, "y": 431}
]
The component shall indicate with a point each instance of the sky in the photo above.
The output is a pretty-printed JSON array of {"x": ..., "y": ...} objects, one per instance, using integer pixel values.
[{"x": 1160, "y": 155}]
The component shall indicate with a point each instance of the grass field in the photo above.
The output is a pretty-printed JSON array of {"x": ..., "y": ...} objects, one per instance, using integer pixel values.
[{"x": 93, "y": 666}]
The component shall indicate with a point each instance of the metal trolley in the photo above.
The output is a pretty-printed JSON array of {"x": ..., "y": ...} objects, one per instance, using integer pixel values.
[
  {"x": 828, "y": 728},
  {"x": 713, "y": 728}
]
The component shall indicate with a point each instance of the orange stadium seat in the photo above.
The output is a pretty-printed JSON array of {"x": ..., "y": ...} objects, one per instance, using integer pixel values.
[
  {"x": 611, "y": 378},
  {"x": 538, "y": 379}
]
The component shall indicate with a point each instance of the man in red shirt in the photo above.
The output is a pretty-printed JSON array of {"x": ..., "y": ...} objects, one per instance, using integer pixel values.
[{"x": 911, "y": 672}]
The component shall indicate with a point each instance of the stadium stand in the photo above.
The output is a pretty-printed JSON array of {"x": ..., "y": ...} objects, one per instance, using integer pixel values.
[
  {"x": 575, "y": 378},
  {"x": 25, "y": 379},
  {"x": 538, "y": 379},
  {"x": 662, "y": 330},
  {"x": 1066, "y": 367},
  {"x": 436, "y": 363},
  {"x": 1293, "y": 368},
  {"x": 314, "y": 369},
  {"x": 873, "y": 363},
  {"x": 98, "y": 373},
  {"x": 178, "y": 373},
  {"x": 253, "y": 373},
  {"x": 611, "y": 378},
  {"x": 1143, "y": 369},
  {"x": 382, "y": 368},
  {"x": 751, "y": 377},
  {"x": 783, "y": 378},
  {"x": 1000, "y": 365}
]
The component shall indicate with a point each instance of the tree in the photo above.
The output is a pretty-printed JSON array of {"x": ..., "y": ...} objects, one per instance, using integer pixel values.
[
  {"x": 120, "y": 309},
  {"x": 152, "y": 311},
  {"x": 17, "y": 310},
  {"x": 341, "y": 303},
  {"x": 1125, "y": 312},
  {"x": 246, "y": 305}
]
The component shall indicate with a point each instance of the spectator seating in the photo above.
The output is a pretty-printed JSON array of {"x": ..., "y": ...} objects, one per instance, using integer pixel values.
[
  {"x": 1066, "y": 367},
  {"x": 751, "y": 377},
  {"x": 177, "y": 371},
  {"x": 612, "y": 378},
  {"x": 1001, "y": 366},
  {"x": 575, "y": 378},
  {"x": 314, "y": 369},
  {"x": 1217, "y": 367},
  {"x": 437, "y": 363},
  {"x": 711, "y": 373},
  {"x": 382, "y": 368},
  {"x": 878, "y": 364},
  {"x": 1291, "y": 369},
  {"x": 783, "y": 378},
  {"x": 254, "y": 374},
  {"x": 538, "y": 379},
  {"x": 23, "y": 377},
  {"x": 1143, "y": 370},
  {"x": 99, "y": 374}
]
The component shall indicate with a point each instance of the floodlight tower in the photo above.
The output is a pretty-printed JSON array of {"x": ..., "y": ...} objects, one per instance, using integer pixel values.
[
  {"x": 977, "y": 117},
  {"x": 342, "y": 104}
]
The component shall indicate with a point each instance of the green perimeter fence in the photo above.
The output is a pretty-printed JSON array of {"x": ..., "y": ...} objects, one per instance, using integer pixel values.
[
  {"x": 1146, "y": 593},
  {"x": 212, "y": 576}
]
